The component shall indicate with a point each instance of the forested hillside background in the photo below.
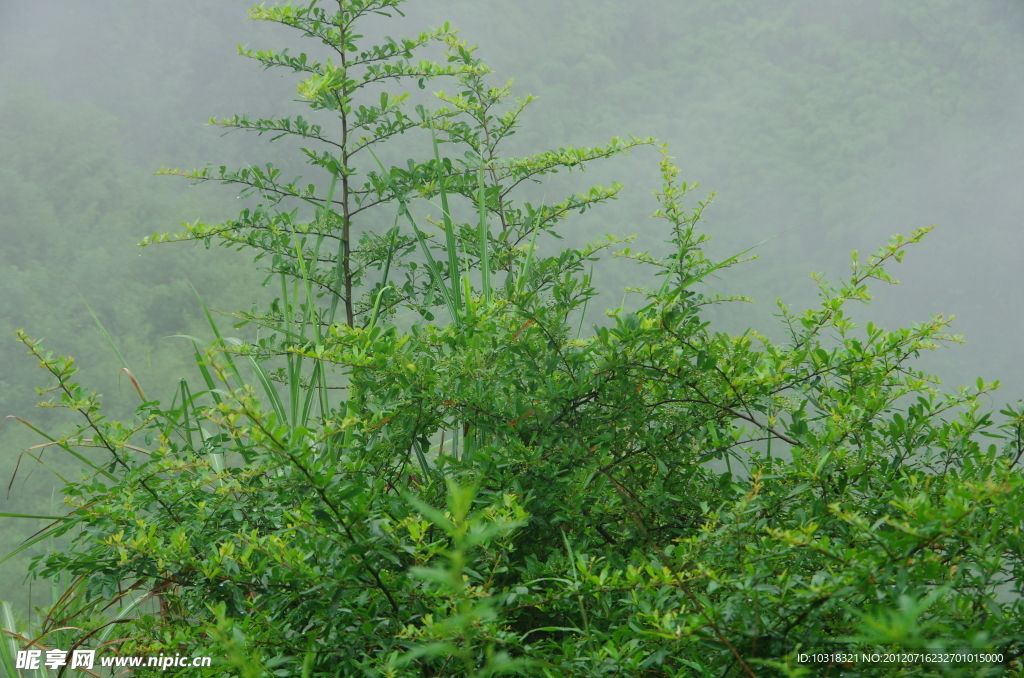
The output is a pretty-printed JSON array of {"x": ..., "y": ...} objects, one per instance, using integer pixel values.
[{"x": 848, "y": 120}]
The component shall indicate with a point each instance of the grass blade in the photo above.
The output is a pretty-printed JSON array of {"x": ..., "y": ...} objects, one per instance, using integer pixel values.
[
  {"x": 485, "y": 264},
  {"x": 454, "y": 274},
  {"x": 47, "y": 532},
  {"x": 339, "y": 264},
  {"x": 315, "y": 387},
  {"x": 431, "y": 262},
  {"x": 64, "y": 446},
  {"x": 270, "y": 388},
  {"x": 186, "y": 403},
  {"x": 310, "y": 308},
  {"x": 8, "y": 646},
  {"x": 106, "y": 336},
  {"x": 528, "y": 264},
  {"x": 220, "y": 340},
  {"x": 722, "y": 264},
  {"x": 424, "y": 464},
  {"x": 135, "y": 383},
  {"x": 211, "y": 385}
]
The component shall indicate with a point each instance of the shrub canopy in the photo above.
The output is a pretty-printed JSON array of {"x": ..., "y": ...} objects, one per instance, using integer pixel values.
[{"x": 425, "y": 467}]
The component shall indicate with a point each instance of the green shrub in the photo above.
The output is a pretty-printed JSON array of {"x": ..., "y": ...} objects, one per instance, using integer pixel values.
[{"x": 426, "y": 468}]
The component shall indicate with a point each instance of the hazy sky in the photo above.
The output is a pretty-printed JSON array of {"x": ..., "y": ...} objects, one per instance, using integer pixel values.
[{"x": 851, "y": 119}]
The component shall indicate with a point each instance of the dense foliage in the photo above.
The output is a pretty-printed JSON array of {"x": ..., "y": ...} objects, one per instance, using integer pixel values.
[{"x": 426, "y": 467}]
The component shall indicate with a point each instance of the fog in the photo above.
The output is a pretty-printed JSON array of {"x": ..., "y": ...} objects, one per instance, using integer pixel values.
[{"x": 825, "y": 126}]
